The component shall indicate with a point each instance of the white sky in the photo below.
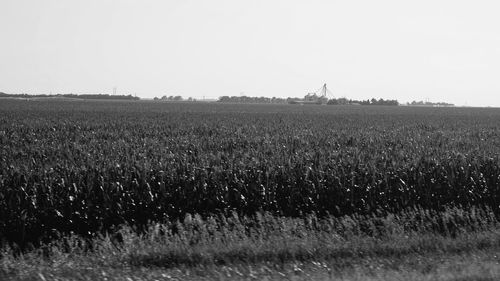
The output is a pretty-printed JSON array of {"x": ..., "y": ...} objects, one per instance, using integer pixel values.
[{"x": 440, "y": 50}]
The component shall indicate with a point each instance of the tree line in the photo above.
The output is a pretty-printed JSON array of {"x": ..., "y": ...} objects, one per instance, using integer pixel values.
[
  {"x": 310, "y": 98},
  {"x": 73, "y": 96},
  {"x": 373, "y": 101},
  {"x": 427, "y": 103},
  {"x": 173, "y": 98},
  {"x": 245, "y": 99}
]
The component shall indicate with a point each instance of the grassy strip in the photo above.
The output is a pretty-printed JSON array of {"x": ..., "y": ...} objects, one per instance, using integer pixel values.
[
  {"x": 478, "y": 266},
  {"x": 470, "y": 256},
  {"x": 278, "y": 240}
]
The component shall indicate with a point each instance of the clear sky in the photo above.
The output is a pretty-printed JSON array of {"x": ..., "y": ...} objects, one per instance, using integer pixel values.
[{"x": 439, "y": 50}]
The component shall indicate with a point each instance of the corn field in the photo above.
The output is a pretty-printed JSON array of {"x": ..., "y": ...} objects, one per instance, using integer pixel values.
[{"x": 86, "y": 167}]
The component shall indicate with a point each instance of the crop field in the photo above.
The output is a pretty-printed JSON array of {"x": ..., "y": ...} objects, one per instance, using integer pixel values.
[{"x": 87, "y": 168}]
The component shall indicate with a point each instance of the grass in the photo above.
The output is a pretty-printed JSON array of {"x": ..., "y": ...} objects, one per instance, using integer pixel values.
[
  {"x": 276, "y": 248},
  {"x": 481, "y": 266}
]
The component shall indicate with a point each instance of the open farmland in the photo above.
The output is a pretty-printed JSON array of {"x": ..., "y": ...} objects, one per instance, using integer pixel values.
[{"x": 90, "y": 167}]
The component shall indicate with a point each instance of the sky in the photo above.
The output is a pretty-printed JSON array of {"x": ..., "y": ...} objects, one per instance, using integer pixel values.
[{"x": 439, "y": 50}]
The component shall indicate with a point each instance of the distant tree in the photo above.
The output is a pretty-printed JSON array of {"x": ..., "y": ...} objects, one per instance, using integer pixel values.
[
  {"x": 343, "y": 101},
  {"x": 332, "y": 102}
]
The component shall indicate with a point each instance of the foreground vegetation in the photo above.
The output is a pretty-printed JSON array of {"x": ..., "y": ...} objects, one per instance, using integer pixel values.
[
  {"x": 115, "y": 186},
  {"x": 410, "y": 245}
]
